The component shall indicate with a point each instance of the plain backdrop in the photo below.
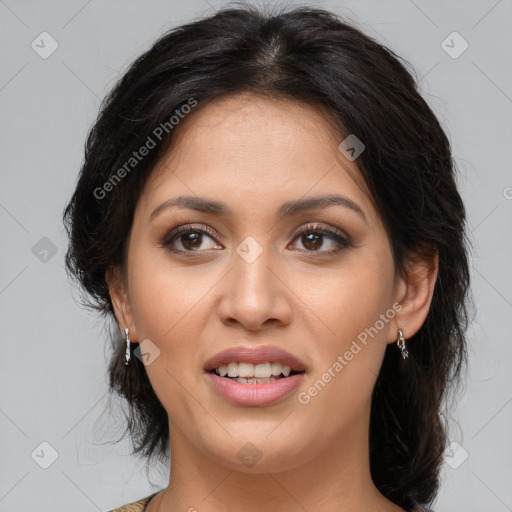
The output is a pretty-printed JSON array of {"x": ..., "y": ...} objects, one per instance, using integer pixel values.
[{"x": 54, "y": 354}]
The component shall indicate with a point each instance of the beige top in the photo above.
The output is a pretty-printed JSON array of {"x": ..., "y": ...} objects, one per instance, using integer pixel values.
[
  {"x": 136, "y": 506},
  {"x": 140, "y": 506}
]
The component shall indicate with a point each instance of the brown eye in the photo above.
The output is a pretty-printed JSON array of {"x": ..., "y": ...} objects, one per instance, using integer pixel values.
[
  {"x": 188, "y": 239},
  {"x": 313, "y": 238},
  {"x": 191, "y": 240},
  {"x": 312, "y": 241}
]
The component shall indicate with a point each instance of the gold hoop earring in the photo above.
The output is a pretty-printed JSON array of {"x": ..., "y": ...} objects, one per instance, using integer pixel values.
[{"x": 401, "y": 344}]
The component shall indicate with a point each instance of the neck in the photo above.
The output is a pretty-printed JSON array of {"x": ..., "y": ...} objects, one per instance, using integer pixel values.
[{"x": 337, "y": 479}]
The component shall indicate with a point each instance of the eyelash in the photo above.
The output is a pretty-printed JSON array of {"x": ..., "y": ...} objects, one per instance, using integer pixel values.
[{"x": 314, "y": 228}]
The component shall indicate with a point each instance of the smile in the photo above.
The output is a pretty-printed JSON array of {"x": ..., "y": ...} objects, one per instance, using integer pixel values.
[
  {"x": 248, "y": 373},
  {"x": 258, "y": 394}
]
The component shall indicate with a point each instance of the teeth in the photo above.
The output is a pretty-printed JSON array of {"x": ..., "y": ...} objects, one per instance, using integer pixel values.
[
  {"x": 254, "y": 380},
  {"x": 248, "y": 371},
  {"x": 245, "y": 370},
  {"x": 262, "y": 370},
  {"x": 276, "y": 368},
  {"x": 232, "y": 370}
]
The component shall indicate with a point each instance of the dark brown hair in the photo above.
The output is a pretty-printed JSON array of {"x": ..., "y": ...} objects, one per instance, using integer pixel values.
[{"x": 307, "y": 55}]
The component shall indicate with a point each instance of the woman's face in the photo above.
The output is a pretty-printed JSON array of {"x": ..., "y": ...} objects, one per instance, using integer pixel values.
[{"x": 247, "y": 278}]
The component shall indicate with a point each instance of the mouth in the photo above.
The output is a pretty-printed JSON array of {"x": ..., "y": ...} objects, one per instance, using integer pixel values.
[
  {"x": 254, "y": 376},
  {"x": 249, "y": 373}
]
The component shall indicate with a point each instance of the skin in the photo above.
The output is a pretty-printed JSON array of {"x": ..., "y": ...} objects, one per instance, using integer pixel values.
[{"x": 253, "y": 154}]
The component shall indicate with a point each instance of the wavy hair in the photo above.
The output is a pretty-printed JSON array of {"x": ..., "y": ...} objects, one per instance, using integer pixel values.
[{"x": 308, "y": 55}]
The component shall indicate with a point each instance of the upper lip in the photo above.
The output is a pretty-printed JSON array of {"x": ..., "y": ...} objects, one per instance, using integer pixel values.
[{"x": 254, "y": 355}]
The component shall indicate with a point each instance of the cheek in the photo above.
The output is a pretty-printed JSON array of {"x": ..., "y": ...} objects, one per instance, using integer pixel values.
[
  {"x": 347, "y": 300},
  {"x": 167, "y": 301},
  {"x": 166, "y": 297},
  {"x": 348, "y": 314}
]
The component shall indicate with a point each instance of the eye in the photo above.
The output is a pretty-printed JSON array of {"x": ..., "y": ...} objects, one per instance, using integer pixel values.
[
  {"x": 312, "y": 238},
  {"x": 190, "y": 239}
]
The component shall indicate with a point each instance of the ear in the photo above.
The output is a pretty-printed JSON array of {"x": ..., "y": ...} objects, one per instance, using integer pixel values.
[
  {"x": 414, "y": 293},
  {"x": 118, "y": 290}
]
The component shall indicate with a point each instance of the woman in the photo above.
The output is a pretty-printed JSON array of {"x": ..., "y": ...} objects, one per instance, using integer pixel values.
[{"x": 268, "y": 209}]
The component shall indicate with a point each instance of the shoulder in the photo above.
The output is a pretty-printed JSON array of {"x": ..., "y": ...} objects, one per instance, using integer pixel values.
[{"x": 136, "y": 506}]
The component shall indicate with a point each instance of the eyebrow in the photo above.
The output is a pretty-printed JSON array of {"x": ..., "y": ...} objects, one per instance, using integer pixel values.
[{"x": 288, "y": 209}]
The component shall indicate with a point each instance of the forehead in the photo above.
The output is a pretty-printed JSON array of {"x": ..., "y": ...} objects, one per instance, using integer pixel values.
[{"x": 258, "y": 151}]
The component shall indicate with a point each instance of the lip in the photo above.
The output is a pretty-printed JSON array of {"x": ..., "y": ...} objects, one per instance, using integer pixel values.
[
  {"x": 255, "y": 355},
  {"x": 254, "y": 395}
]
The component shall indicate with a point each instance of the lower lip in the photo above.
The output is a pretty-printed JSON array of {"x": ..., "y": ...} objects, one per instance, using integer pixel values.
[{"x": 255, "y": 394}]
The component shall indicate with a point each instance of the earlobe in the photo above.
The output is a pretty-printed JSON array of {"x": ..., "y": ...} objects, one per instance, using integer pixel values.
[
  {"x": 120, "y": 301},
  {"x": 415, "y": 302}
]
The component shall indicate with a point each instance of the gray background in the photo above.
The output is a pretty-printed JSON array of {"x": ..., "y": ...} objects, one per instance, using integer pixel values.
[{"x": 53, "y": 364}]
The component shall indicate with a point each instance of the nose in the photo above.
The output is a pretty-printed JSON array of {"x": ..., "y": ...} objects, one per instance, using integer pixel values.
[{"x": 254, "y": 296}]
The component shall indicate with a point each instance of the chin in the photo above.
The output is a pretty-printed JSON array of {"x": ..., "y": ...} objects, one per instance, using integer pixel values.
[{"x": 254, "y": 451}]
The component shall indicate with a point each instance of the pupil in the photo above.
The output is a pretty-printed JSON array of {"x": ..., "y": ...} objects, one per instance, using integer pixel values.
[
  {"x": 195, "y": 237},
  {"x": 316, "y": 243}
]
